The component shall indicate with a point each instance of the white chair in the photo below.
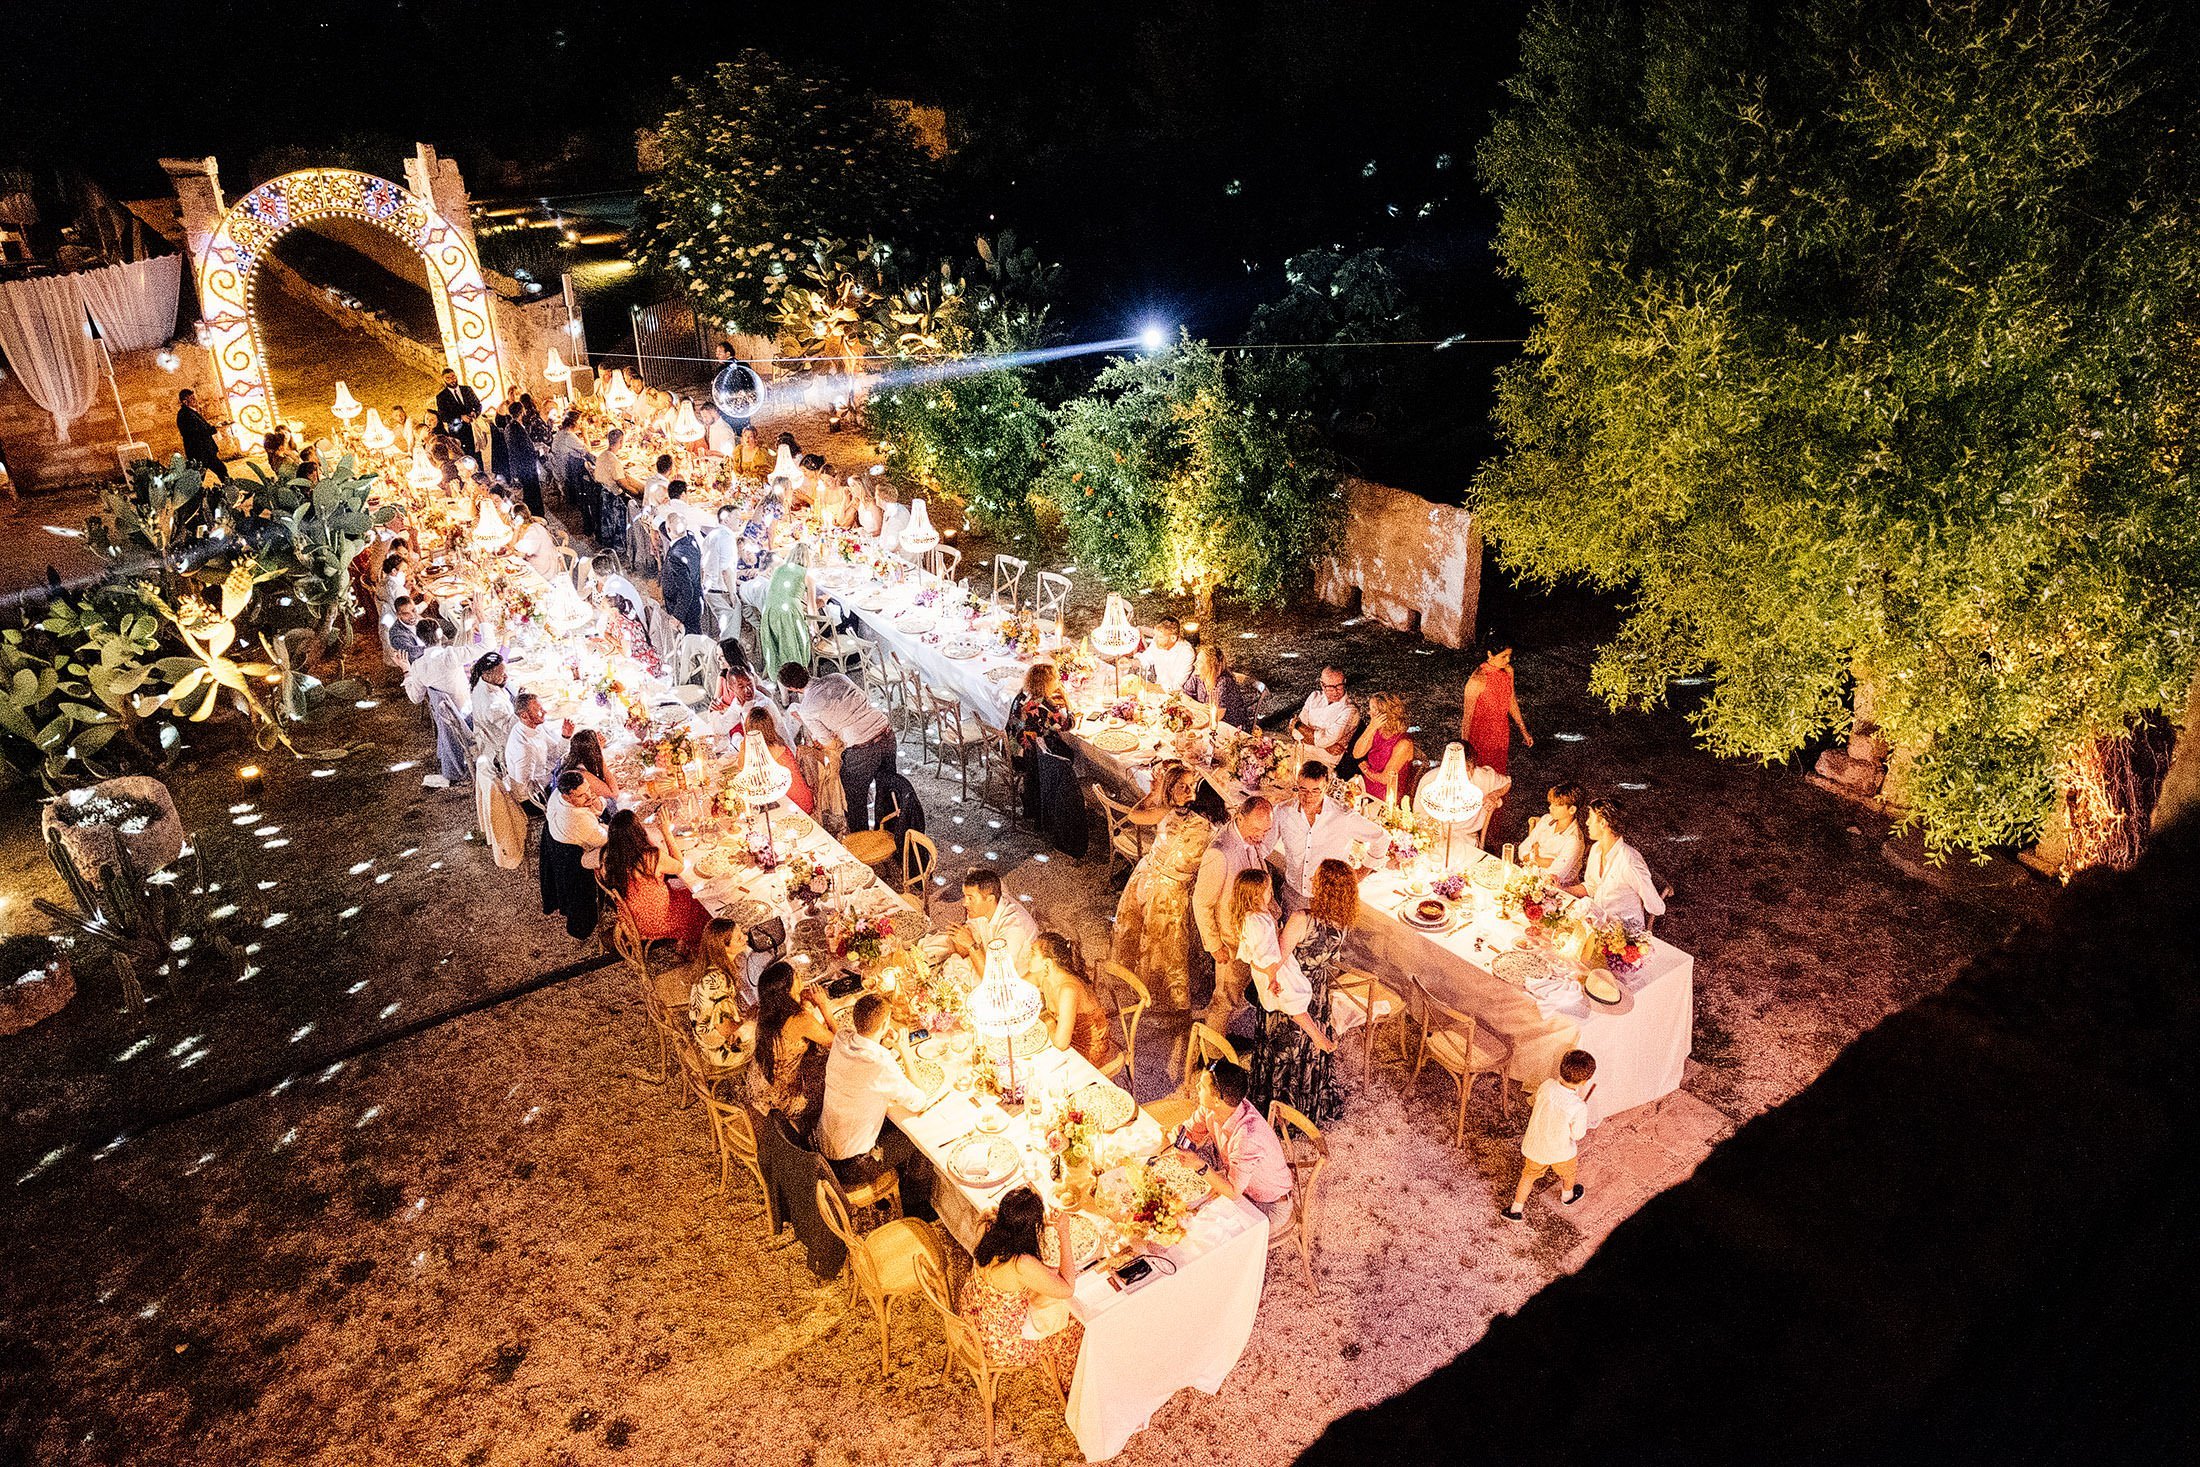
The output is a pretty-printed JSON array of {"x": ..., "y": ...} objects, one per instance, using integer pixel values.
[
  {"x": 946, "y": 562},
  {"x": 698, "y": 662},
  {"x": 1052, "y": 597},
  {"x": 1008, "y": 575},
  {"x": 953, "y": 734}
]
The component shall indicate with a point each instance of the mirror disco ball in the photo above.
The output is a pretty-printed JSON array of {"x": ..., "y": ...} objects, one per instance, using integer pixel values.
[{"x": 736, "y": 389}]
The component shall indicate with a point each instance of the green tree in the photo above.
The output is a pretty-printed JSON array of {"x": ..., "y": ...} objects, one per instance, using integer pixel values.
[
  {"x": 1340, "y": 300},
  {"x": 1169, "y": 474},
  {"x": 759, "y": 162},
  {"x": 1864, "y": 357},
  {"x": 977, "y": 436}
]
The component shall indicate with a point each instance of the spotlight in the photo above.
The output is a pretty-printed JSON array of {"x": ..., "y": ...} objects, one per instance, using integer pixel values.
[{"x": 1153, "y": 338}]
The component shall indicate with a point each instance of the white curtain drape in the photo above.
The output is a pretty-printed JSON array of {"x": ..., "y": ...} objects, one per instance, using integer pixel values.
[
  {"x": 135, "y": 304},
  {"x": 48, "y": 344}
]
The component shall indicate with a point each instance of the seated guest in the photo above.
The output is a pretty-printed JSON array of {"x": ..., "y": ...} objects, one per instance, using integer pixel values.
[
  {"x": 655, "y": 487},
  {"x": 759, "y": 725},
  {"x": 722, "y": 554},
  {"x": 575, "y": 816},
  {"x": 1384, "y": 749},
  {"x": 1615, "y": 878},
  {"x": 1075, "y": 1016},
  {"x": 735, "y": 963},
  {"x": 739, "y": 695},
  {"x": 1494, "y": 787},
  {"x": 1313, "y": 828},
  {"x": 809, "y": 485},
  {"x": 1326, "y": 720},
  {"x": 404, "y": 631},
  {"x": 490, "y": 701},
  {"x": 1555, "y": 842},
  {"x": 786, "y": 462},
  {"x": 1278, "y": 982},
  {"x": 533, "y": 751},
  {"x": 1237, "y": 1146},
  {"x": 835, "y": 710},
  {"x": 572, "y": 844},
  {"x": 1214, "y": 684},
  {"x": 1018, "y": 1305},
  {"x": 654, "y": 902},
  {"x": 864, "y": 1084},
  {"x": 535, "y": 545},
  {"x": 893, "y": 515},
  {"x": 1168, "y": 661},
  {"x": 988, "y": 916},
  {"x": 794, "y": 1032},
  {"x": 585, "y": 754},
  {"x": 439, "y": 668}
]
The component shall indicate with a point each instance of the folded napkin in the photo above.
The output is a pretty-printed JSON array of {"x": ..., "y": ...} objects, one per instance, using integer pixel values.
[{"x": 1559, "y": 994}]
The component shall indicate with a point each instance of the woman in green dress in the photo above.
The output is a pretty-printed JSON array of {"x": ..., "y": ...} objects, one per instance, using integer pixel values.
[{"x": 783, "y": 632}]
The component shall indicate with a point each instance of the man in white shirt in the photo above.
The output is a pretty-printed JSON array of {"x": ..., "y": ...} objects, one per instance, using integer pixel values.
[
  {"x": 747, "y": 698},
  {"x": 653, "y": 487},
  {"x": 1555, "y": 842},
  {"x": 1242, "y": 844},
  {"x": 722, "y": 555},
  {"x": 535, "y": 545},
  {"x": 1615, "y": 878},
  {"x": 1313, "y": 828},
  {"x": 718, "y": 434},
  {"x": 533, "y": 751},
  {"x": 864, "y": 1085},
  {"x": 1326, "y": 721},
  {"x": 576, "y": 817},
  {"x": 1168, "y": 662},
  {"x": 439, "y": 666},
  {"x": 609, "y": 469},
  {"x": 989, "y": 915},
  {"x": 834, "y": 709},
  {"x": 491, "y": 702}
]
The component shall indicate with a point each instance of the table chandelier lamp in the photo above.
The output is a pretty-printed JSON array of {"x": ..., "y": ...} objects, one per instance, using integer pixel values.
[
  {"x": 1003, "y": 1006},
  {"x": 346, "y": 406},
  {"x": 918, "y": 537},
  {"x": 1116, "y": 637},
  {"x": 616, "y": 396},
  {"x": 686, "y": 427},
  {"x": 492, "y": 531},
  {"x": 1450, "y": 796},
  {"x": 554, "y": 368},
  {"x": 760, "y": 781},
  {"x": 377, "y": 437},
  {"x": 423, "y": 475}
]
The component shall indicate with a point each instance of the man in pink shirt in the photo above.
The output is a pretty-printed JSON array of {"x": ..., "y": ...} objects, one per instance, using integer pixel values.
[{"x": 1239, "y": 1148}]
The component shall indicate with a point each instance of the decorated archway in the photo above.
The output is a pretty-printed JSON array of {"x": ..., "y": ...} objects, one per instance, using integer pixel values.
[{"x": 249, "y": 228}]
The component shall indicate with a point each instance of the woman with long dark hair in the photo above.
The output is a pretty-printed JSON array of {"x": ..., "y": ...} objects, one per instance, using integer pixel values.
[
  {"x": 1009, "y": 1288},
  {"x": 794, "y": 1033},
  {"x": 586, "y": 754},
  {"x": 1039, "y": 720},
  {"x": 647, "y": 897}
]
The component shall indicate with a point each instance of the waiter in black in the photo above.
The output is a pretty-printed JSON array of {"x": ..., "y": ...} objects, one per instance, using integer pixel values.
[
  {"x": 200, "y": 445},
  {"x": 456, "y": 406}
]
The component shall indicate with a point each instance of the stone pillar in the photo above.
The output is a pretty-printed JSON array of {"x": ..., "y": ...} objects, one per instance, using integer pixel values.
[
  {"x": 437, "y": 180},
  {"x": 198, "y": 186}
]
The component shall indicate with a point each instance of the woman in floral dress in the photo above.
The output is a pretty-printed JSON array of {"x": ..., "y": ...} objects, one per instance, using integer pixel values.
[
  {"x": 1039, "y": 720},
  {"x": 1009, "y": 1287},
  {"x": 1288, "y": 1066},
  {"x": 1154, "y": 934}
]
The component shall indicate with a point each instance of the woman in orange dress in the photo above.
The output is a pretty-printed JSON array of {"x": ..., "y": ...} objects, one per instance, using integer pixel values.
[
  {"x": 1075, "y": 1016},
  {"x": 647, "y": 897},
  {"x": 1492, "y": 709},
  {"x": 799, "y": 793}
]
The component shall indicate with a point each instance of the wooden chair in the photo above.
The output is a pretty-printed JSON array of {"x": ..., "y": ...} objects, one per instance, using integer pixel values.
[
  {"x": 1200, "y": 1046},
  {"x": 1008, "y": 575},
  {"x": 946, "y": 562},
  {"x": 954, "y": 733},
  {"x": 735, "y": 1134},
  {"x": 1000, "y": 758},
  {"x": 918, "y": 856},
  {"x": 882, "y": 1264},
  {"x": 1129, "y": 1014},
  {"x": 1126, "y": 838},
  {"x": 628, "y": 943},
  {"x": 876, "y": 846},
  {"x": 887, "y": 679},
  {"x": 1382, "y": 1005},
  {"x": 965, "y": 1347},
  {"x": 1050, "y": 600},
  {"x": 1453, "y": 1040},
  {"x": 1307, "y": 1151}
]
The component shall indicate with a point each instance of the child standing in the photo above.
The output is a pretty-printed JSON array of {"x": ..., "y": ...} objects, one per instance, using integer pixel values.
[{"x": 1555, "y": 1128}]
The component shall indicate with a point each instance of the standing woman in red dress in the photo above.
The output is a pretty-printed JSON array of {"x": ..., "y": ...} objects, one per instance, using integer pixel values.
[{"x": 1490, "y": 707}]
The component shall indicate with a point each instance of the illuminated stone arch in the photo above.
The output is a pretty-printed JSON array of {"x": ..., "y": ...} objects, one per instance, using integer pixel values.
[{"x": 249, "y": 229}]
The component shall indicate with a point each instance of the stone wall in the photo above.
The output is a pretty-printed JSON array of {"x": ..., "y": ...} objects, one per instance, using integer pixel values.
[
  {"x": 1409, "y": 563},
  {"x": 526, "y": 330},
  {"x": 37, "y": 463}
]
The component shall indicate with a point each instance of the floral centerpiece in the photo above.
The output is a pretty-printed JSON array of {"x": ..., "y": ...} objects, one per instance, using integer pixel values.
[
  {"x": 1069, "y": 1133},
  {"x": 1615, "y": 944},
  {"x": 1179, "y": 716},
  {"x": 805, "y": 878},
  {"x": 1124, "y": 708},
  {"x": 1451, "y": 887},
  {"x": 1020, "y": 634},
  {"x": 1536, "y": 897},
  {"x": 669, "y": 746},
  {"x": 860, "y": 942},
  {"x": 1257, "y": 758},
  {"x": 935, "y": 1000},
  {"x": 1152, "y": 1208}
]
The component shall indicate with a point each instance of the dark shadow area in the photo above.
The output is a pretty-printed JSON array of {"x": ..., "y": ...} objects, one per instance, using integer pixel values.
[{"x": 1965, "y": 1242}]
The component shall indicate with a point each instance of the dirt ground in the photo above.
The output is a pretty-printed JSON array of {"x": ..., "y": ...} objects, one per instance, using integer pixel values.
[{"x": 298, "y": 1220}]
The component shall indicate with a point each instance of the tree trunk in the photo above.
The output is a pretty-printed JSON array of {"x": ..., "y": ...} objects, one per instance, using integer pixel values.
[{"x": 1204, "y": 603}]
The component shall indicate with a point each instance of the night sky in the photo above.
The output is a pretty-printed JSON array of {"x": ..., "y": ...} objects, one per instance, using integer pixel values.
[{"x": 1170, "y": 154}]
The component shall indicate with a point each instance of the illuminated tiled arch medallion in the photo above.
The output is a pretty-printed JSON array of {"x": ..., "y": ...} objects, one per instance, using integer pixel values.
[{"x": 228, "y": 281}]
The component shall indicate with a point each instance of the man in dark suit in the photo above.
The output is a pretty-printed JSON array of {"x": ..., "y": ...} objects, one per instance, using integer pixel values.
[
  {"x": 680, "y": 576},
  {"x": 456, "y": 407},
  {"x": 200, "y": 445}
]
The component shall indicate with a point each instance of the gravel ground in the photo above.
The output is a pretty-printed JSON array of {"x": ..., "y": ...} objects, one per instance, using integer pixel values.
[{"x": 491, "y": 1240}]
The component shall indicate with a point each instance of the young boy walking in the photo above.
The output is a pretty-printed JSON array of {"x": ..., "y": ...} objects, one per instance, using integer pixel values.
[{"x": 1555, "y": 1128}]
